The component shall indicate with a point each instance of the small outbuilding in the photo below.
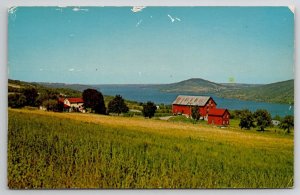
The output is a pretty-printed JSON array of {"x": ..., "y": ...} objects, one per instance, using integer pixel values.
[{"x": 218, "y": 117}]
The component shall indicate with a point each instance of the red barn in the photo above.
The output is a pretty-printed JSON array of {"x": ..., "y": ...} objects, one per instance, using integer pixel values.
[
  {"x": 183, "y": 105},
  {"x": 218, "y": 117}
]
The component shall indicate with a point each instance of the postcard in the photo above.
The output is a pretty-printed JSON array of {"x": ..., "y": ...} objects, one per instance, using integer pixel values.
[{"x": 150, "y": 97}]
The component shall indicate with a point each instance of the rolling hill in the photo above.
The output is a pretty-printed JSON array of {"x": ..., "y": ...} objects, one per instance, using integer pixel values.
[
  {"x": 193, "y": 85},
  {"x": 279, "y": 92}
]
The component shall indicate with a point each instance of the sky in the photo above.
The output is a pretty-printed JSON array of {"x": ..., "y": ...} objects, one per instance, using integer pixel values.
[{"x": 149, "y": 45}]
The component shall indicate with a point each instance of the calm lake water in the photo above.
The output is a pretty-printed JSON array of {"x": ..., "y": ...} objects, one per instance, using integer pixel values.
[{"x": 141, "y": 93}]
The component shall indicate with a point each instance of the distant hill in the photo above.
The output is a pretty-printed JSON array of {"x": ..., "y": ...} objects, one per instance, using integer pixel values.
[
  {"x": 16, "y": 86},
  {"x": 280, "y": 92},
  {"x": 192, "y": 85},
  {"x": 77, "y": 87},
  {"x": 198, "y": 85}
]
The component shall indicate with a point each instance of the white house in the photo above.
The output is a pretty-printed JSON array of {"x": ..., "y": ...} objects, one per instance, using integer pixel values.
[{"x": 72, "y": 104}]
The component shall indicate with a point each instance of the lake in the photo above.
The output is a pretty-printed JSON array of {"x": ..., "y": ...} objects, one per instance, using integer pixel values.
[{"x": 144, "y": 93}]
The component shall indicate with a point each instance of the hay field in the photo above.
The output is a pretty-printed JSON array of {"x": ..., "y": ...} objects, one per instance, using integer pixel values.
[{"x": 74, "y": 150}]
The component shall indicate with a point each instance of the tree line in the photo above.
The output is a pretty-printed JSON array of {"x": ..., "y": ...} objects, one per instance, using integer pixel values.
[
  {"x": 93, "y": 101},
  {"x": 262, "y": 119}
]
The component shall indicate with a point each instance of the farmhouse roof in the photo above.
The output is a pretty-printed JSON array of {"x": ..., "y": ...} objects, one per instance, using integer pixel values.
[
  {"x": 75, "y": 100},
  {"x": 217, "y": 112},
  {"x": 191, "y": 100}
]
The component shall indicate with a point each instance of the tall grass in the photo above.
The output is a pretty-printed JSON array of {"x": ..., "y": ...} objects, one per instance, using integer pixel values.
[{"x": 54, "y": 151}]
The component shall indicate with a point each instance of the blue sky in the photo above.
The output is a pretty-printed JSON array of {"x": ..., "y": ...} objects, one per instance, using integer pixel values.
[{"x": 121, "y": 45}]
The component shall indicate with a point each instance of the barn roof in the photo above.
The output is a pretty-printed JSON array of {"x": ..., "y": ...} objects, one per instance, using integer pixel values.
[
  {"x": 217, "y": 112},
  {"x": 191, "y": 100},
  {"x": 75, "y": 100}
]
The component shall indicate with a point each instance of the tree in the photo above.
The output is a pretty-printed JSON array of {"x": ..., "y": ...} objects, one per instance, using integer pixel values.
[
  {"x": 52, "y": 105},
  {"x": 149, "y": 109},
  {"x": 195, "y": 113},
  {"x": 117, "y": 105},
  {"x": 263, "y": 119},
  {"x": 247, "y": 119},
  {"x": 31, "y": 95},
  {"x": 277, "y": 118},
  {"x": 46, "y": 95},
  {"x": 287, "y": 123},
  {"x": 94, "y": 99},
  {"x": 16, "y": 100}
]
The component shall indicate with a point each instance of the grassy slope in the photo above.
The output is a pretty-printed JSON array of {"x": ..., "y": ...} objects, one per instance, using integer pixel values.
[{"x": 58, "y": 150}]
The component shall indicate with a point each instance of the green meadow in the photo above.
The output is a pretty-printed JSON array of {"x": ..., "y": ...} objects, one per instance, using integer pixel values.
[{"x": 74, "y": 150}]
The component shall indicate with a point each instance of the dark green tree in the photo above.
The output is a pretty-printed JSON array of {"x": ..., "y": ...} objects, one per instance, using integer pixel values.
[
  {"x": 94, "y": 99},
  {"x": 46, "y": 95},
  {"x": 51, "y": 105},
  {"x": 287, "y": 123},
  {"x": 263, "y": 119},
  {"x": 149, "y": 109},
  {"x": 16, "y": 100},
  {"x": 247, "y": 119},
  {"x": 31, "y": 95},
  {"x": 195, "y": 113},
  {"x": 117, "y": 105}
]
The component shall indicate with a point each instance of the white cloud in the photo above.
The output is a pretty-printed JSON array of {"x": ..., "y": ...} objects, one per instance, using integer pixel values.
[
  {"x": 292, "y": 8},
  {"x": 137, "y": 8},
  {"x": 74, "y": 70},
  {"x": 76, "y": 9},
  {"x": 139, "y": 22}
]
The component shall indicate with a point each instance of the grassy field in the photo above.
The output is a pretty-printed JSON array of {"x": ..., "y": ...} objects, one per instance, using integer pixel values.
[{"x": 73, "y": 150}]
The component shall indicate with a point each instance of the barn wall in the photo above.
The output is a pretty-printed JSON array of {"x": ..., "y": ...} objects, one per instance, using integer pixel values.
[
  {"x": 218, "y": 120},
  {"x": 209, "y": 106},
  {"x": 181, "y": 109}
]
